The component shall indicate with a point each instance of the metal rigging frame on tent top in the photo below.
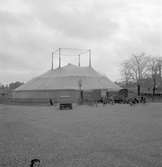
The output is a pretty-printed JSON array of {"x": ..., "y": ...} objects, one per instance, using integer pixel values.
[{"x": 59, "y": 52}]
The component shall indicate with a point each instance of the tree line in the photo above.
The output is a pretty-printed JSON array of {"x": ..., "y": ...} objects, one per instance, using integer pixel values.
[
  {"x": 141, "y": 67},
  {"x": 11, "y": 86}
]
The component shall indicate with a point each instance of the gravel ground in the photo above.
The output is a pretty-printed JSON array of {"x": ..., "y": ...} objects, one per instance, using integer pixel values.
[{"x": 87, "y": 136}]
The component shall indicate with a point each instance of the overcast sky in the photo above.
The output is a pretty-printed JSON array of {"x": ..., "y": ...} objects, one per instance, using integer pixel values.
[{"x": 112, "y": 29}]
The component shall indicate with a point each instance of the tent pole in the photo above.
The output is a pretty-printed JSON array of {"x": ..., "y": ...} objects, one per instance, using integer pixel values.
[
  {"x": 89, "y": 57},
  {"x": 79, "y": 60},
  {"x": 59, "y": 57},
  {"x": 52, "y": 61}
]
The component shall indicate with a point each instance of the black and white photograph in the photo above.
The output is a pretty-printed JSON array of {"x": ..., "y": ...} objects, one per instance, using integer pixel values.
[{"x": 80, "y": 83}]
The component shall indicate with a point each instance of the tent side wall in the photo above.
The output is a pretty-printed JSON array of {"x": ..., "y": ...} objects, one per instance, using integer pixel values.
[{"x": 44, "y": 95}]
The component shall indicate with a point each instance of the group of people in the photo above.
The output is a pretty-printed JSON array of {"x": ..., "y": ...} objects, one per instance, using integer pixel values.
[
  {"x": 135, "y": 100},
  {"x": 131, "y": 101}
]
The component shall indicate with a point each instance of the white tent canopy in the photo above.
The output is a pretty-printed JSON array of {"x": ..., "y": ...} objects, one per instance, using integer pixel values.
[{"x": 70, "y": 77}]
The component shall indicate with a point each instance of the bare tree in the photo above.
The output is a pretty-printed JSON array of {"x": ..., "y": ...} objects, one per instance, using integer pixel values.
[
  {"x": 159, "y": 64},
  {"x": 126, "y": 72},
  {"x": 135, "y": 68},
  {"x": 154, "y": 71}
]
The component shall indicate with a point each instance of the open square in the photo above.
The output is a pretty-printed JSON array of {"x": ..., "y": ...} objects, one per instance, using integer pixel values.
[{"x": 87, "y": 136}]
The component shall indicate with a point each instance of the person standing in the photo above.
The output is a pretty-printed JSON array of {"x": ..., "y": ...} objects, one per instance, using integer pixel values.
[
  {"x": 51, "y": 102},
  {"x": 35, "y": 163}
]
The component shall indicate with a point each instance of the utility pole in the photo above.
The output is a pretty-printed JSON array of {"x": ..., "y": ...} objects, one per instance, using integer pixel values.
[{"x": 138, "y": 76}]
